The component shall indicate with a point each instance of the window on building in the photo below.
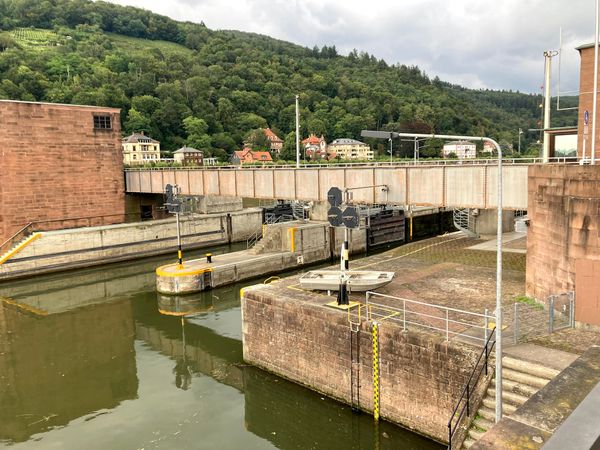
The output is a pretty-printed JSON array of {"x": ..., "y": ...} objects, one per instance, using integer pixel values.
[{"x": 102, "y": 123}]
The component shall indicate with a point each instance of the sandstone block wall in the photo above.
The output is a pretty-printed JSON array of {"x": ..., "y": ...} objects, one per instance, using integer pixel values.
[
  {"x": 586, "y": 103},
  {"x": 55, "y": 165},
  {"x": 421, "y": 375},
  {"x": 564, "y": 213}
]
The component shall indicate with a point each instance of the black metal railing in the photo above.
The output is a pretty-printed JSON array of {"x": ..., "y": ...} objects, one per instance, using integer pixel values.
[{"x": 458, "y": 413}]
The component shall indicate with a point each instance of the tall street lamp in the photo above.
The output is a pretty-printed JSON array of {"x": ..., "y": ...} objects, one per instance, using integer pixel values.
[
  {"x": 520, "y": 133},
  {"x": 386, "y": 135}
]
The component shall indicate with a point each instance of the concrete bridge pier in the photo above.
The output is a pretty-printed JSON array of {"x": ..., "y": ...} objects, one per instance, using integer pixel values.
[{"x": 486, "y": 221}]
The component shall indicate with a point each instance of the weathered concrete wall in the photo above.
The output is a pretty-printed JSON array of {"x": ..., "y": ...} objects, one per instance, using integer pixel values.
[
  {"x": 564, "y": 214},
  {"x": 302, "y": 340},
  {"x": 486, "y": 222},
  {"x": 60, "y": 250},
  {"x": 211, "y": 204},
  {"x": 55, "y": 165}
]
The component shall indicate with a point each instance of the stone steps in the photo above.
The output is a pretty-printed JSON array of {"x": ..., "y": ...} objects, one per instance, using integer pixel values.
[
  {"x": 529, "y": 368},
  {"x": 523, "y": 378},
  {"x": 520, "y": 380},
  {"x": 509, "y": 385}
]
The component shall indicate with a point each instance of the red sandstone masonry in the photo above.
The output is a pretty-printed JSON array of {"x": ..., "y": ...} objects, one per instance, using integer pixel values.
[
  {"x": 564, "y": 213},
  {"x": 53, "y": 164},
  {"x": 422, "y": 376}
]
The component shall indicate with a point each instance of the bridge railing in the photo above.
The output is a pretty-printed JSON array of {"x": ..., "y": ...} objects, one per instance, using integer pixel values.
[{"x": 435, "y": 162}]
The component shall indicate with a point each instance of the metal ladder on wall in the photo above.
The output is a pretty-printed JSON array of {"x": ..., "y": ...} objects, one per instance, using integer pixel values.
[{"x": 464, "y": 221}]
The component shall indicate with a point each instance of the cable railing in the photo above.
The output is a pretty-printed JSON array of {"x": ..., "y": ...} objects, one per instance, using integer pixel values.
[
  {"x": 459, "y": 412},
  {"x": 428, "y": 162}
]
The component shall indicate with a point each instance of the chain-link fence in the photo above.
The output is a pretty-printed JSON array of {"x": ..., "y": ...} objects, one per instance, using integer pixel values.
[{"x": 529, "y": 319}]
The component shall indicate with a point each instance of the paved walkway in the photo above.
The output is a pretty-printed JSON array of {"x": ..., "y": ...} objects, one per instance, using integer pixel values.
[
  {"x": 547, "y": 357},
  {"x": 511, "y": 242}
]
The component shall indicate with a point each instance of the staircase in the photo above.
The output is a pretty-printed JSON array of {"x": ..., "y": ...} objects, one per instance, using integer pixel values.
[
  {"x": 16, "y": 248},
  {"x": 464, "y": 221},
  {"x": 298, "y": 210},
  {"x": 520, "y": 380}
]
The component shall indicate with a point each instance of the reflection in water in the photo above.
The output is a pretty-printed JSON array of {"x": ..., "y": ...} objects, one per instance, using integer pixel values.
[
  {"x": 58, "y": 367},
  {"x": 183, "y": 306},
  {"x": 98, "y": 350}
]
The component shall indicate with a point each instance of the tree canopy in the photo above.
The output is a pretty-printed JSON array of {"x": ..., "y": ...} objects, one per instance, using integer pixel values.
[{"x": 186, "y": 84}]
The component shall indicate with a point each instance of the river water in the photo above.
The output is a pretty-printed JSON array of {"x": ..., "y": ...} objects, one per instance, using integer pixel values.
[{"x": 96, "y": 359}]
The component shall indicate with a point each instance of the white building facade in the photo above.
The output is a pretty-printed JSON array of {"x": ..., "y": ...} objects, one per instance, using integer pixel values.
[{"x": 462, "y": 149}]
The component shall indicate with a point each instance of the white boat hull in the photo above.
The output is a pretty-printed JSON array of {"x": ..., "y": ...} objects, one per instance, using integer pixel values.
[{"x": 358, "y": 280}]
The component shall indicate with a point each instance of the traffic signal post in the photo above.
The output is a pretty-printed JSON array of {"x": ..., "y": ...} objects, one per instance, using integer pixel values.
[
  {"x": 173, "y": 205},
  {"x": 342, "y": 214}
]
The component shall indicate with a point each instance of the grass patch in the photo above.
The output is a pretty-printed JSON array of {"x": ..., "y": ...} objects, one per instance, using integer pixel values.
[
  {"x": 529, "y": 301},
  {"x": 35, "y": 37},
  {"x": 128, "y": 43}
]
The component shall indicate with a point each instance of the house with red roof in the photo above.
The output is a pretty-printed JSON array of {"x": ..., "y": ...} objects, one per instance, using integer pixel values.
[
  {"x": 276, "y": 142},
  {"x": 249, "y": 156},
  {"x": 315, "y": 147}
]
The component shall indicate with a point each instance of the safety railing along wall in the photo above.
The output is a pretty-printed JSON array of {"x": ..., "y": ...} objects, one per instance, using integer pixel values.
[
  {"x": 411, "y": 162},
  {"x": 454, "y": 323}
]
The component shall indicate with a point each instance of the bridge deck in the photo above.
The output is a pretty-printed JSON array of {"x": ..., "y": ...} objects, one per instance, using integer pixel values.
[{"x": 459, "y": 185}]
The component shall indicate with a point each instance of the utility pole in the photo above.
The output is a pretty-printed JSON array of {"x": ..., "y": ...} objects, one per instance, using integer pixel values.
[
  {"x": 297, "y": 133},
  {"x": 391, "y": 152},
  {"x": 520, "y": 133},
  {"x": 415, "y": 156},
  {"x": 547, "y": 98}
]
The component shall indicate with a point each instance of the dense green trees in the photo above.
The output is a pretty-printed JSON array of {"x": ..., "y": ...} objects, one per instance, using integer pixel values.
[{"x": 209, "y": 89}]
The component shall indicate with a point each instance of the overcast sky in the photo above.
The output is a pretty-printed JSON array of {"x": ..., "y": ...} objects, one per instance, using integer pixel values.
[{"x": 496, "y": 44}]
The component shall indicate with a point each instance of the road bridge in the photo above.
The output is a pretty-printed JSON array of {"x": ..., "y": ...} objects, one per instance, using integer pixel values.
[{"x": 452, "y": 184}]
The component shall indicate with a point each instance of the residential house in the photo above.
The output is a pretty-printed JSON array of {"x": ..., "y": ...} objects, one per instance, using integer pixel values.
[
  {"x": 462, "y": 149},
  {"x": 189, "y": 156},
  {"x": 140, "y": 149},
  {"x": 488, "y": 148},
  {"x": 249, "y": 156},
  {"x": 276, "y": 142},
  {"x": 350, "y": 149},
  {"x": 315, "y": 147}
]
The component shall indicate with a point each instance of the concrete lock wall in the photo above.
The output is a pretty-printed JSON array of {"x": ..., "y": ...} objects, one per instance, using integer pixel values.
[
  {"x": 421, "y": 375},
  {"x": 59, "y": 250},
  {"x": 564, "y": 215}
]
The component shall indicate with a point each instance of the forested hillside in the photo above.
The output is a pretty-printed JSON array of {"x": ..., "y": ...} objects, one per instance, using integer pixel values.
[{"x": 184, "y": 83}]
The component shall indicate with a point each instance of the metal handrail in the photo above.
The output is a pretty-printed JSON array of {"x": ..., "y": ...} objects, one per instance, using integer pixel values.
[
  {"x": 433, "y": 162},
  {"x": 36, "y": 224},
  {"x": 462, "y": 311},
  {"x": 468, "y": 390},
  {"x": 9, "y": 242},
  {"x": 270, "y": 219}
]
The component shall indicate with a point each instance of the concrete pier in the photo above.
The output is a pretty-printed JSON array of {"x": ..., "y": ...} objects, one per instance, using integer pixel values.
[{"x": 283, "y": 246}]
